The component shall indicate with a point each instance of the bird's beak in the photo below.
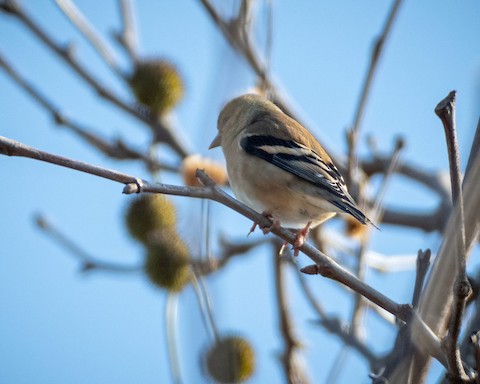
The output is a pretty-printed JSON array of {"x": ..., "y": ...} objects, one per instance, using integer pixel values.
[{"x": 216, "y": 141}]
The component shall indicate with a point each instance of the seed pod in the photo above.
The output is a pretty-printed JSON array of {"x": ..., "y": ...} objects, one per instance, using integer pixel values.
[{"x": 157, "y": 84}]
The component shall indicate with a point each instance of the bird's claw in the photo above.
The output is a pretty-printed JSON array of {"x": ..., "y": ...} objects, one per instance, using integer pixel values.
[{"x": 266, "y": 229}]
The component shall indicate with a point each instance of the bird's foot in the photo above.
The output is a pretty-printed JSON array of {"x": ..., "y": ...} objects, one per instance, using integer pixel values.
[
  {"x": 300, "y": 238},
  {"x": 266, "y": 229}
]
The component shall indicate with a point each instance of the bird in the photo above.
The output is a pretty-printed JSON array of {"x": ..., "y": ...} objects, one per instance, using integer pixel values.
[{"x": 276, "y": 167}]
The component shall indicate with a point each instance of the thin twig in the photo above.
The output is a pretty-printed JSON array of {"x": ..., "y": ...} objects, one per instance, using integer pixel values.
[
  {"x": 333, "y": 325},
  {"x": 434, "y": 220},
  {"x": 163, "y": 132},
  {"x": 445, "y": 110},
  {"x": 171, "y": 324},
  {"x": 376, "y": 217},
  {"x": 128, "y": 36},
  {"x": 353, "y": 134},
  {"x": 88, "y": 263},
  {"x": 474, "y": 150},
  {"x": 423, "y": 263},
  {"x": 78, "y": 19},
  {"x": 324, "y": 265},
  {"x": 114, "y": 148},
  {"x": 234, "y": 33},
  {"x": 437, "y": 296},
  {"x": 293, "y": 372},
  {"x": 206, "y": 310}
]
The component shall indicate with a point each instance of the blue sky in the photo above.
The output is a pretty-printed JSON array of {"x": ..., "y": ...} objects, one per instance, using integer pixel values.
[{"x": 58, "y": 325}]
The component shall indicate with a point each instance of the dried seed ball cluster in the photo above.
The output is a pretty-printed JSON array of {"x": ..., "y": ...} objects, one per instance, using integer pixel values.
[
  {"x": 149, "y": 213},
  {"x": 167, "y": 263},
  {"x": 151, "y": 219},
  {"x": 157, "y": 84},
  {"x": 230, "y": 360}
]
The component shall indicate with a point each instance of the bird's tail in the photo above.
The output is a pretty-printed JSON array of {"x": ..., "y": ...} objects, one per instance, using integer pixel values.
[{"x": 352, "y": 209}]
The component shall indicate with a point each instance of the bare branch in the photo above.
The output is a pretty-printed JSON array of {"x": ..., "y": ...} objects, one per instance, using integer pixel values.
[
  {"x": 117, "y": 149},
  {"x": 293, "y": 371},
  {"x": 241, "y": 41},
  {"x": 78, "y": 19},
  {"x": 428, "y": 221},
  {"x": 438, "y": 292},
  {"x": 334, "y": 325},
  {"x": 352, "y": 165},
  {"x": 423, "y": 263},
  {"x": 324, "y": 265},
  {"x": 376, "y": 217},
  {"x": 473, "y": 151},
  {"x": 88, "y": 263},
  {"x": 162, "y": 131},
  {"x": 445, "y": 110},
  {"x": 128, "y": 36}
]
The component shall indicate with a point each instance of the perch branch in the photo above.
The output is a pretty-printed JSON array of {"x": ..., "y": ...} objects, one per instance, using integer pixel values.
[{"x": 324, "y": 265}]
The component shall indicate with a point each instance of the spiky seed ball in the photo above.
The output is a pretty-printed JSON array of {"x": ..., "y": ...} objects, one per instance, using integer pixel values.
[
  {"x": 213, "y": 169},
  {"x": 157, "y": 84},
  {"x": 167, "y": 263},
  {"x": 149, "y": 213},
  {"x": 230, "y": 360}
]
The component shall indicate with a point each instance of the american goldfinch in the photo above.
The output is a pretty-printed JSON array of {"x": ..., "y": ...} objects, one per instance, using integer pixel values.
[{"x": 276, "y": 167}]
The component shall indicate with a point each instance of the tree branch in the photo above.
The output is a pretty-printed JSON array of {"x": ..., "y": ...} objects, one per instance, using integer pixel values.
[
  {"x": 116, "y": 149},
  {"x": 438, "y": 293},
  {"x": 128, "y": 36},
  {"x": 445, "y": 110},
  {"x": 293, "y": 371},
  {"x": 87, "y": 262},
  {"x": 324, "y": 265},
  {"x": 162, "y": 131},
  {"x": 78, "y": 19},
  {"x": 352, "y": 164}
]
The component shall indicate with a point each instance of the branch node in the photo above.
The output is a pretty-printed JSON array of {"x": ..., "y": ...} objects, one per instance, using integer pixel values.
[
  {"x": 463, "y": 289},
  {"x": 313, "y": 269},
  {"x": 59, "y": 118},
  {"x": 445, "y": 106},
  {"x": 134, "y": 187},
  {"x": 204, "y": 178},
  {"x": 405, "y": 312},
  {"x": 9, "y": 6}
]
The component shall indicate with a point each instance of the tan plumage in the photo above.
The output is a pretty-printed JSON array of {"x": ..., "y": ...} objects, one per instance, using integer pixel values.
[{"x": 276, "y": 166}]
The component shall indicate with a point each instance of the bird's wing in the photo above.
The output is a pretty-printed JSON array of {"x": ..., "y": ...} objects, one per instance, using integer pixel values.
[{"x": 305, "y": 163}]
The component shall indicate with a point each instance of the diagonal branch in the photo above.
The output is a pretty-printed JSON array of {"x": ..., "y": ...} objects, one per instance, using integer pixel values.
[
  {"x": 87, "y": 262},
  {"x": 117, "y": 149},
  {"x": 78, "y": 19},
  {"x": 163, "y": 131},
  {"x": 324, "y": 265}
]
